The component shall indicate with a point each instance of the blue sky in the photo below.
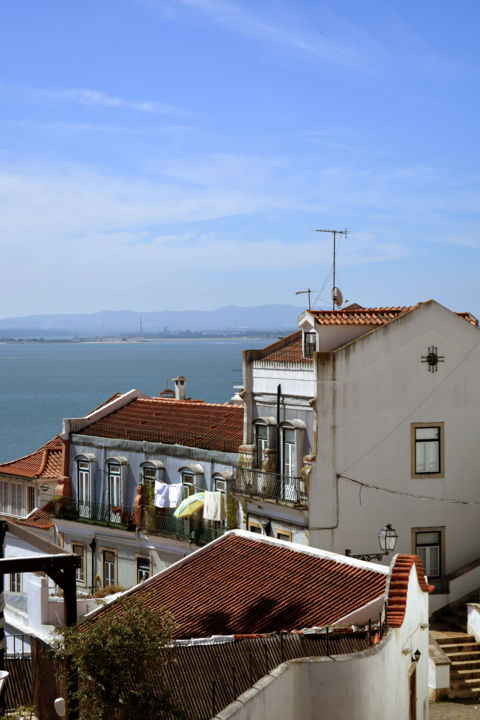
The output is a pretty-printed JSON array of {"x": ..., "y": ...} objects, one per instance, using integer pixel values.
[{"x": 164, "y": 154}]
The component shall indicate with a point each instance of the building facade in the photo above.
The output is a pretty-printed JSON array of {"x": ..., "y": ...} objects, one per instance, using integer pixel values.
[{"x": 371, "y": 414}]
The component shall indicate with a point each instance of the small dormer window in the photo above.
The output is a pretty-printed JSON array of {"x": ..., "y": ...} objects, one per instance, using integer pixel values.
[{"x": 309, "y": 344}]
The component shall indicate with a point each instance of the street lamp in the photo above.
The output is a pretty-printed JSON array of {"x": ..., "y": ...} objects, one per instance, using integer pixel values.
[{"x": 387, "y": 538}]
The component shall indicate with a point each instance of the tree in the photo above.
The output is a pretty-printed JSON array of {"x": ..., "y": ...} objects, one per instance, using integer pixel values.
[{"x": 118, "y": 659}]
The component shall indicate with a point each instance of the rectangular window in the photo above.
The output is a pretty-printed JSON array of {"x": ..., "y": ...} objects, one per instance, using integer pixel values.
[
  {"x": 427, "y": 450},
  {"x": 309, "y": 344},
  {"x": 261, "y": 443},
  {"x": 109, "y": 561},
  {"x": 283, "y": 535},
  {"x": 79, "y": 549},
  {"x": 16, "y": 582},
  {"x": 17, "y": 505},
  {"x": 289, "y": 455},
  {"x": 188, "y": 485},
  {"x": 428, "y": 546},
  {"x": 255, "y": 527},
  {"x": 5, "y": 507},
  {"x": 143, "y": 569},
  {"x": 83, "y": 488},
  {"x": 31, "y": 499}
]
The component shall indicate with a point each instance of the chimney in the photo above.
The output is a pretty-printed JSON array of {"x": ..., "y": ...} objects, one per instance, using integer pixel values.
[{"x": 180, "y": 387}]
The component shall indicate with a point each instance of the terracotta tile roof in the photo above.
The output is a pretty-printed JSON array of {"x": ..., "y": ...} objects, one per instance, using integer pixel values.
[
  {"x": 47, "y": 462},
  {"x": 242, "y": 584},
  {"x": 40, "y": 519},
  {"x": 185, "y": 422},
  {"x": 288, "y": 349},
  {"x": 359, "y": 316},
  {"x": 397, "y": 594}
]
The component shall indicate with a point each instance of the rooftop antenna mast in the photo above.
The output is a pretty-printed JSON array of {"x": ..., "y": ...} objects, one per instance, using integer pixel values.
[
  {"x": 335, "y": 292},
  {"x": 302, "y": 292}
]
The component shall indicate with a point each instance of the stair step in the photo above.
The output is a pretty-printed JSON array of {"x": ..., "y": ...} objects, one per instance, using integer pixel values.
[{"x": 473, "y": 664}]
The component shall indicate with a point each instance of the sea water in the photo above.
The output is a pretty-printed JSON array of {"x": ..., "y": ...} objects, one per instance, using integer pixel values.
[{"x": 42, "y": 383}]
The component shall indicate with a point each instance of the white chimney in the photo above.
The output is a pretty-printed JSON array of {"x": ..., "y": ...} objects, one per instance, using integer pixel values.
[{"x": 180, "y": 387}]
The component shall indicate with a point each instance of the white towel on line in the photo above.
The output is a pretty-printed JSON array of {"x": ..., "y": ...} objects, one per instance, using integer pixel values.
[
  {"x": 175, "y": 494},
  {"x": 213, "y": 508},
  {"x": 161, "y": 496}
]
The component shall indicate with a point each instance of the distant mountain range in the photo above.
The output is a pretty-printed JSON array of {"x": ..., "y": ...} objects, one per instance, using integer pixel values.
[{"x": 230, "y": 319}]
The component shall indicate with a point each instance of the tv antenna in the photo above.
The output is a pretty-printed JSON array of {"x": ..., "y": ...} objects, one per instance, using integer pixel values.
[
  {"x": 336, "y": 294},
  {"x": 307, "y": 291}
]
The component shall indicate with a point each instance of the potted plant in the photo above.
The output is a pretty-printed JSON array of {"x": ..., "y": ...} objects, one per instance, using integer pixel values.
[{"x": 57, "y": 501}]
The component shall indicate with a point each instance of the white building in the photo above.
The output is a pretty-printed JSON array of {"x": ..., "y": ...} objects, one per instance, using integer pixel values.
[{"x": 369, "y": 415}]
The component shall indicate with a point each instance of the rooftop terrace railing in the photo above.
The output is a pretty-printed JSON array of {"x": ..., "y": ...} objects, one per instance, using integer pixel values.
[
  {"x": 157, "y": 521},
  {"x": 269, "y": 486}
]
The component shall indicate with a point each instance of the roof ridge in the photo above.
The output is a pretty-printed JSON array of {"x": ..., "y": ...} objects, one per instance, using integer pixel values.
[
  {"x": 189, "y": 402},
  {"x": 42, "y": 448}
]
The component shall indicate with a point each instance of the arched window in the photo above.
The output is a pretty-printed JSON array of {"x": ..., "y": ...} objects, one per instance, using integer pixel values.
[
  {"x": 115, "y": 468},
  {"x": 84, "y": 485}
]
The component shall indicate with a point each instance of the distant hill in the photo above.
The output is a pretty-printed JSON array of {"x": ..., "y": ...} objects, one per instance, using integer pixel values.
[{"x": 232, "y": 318}]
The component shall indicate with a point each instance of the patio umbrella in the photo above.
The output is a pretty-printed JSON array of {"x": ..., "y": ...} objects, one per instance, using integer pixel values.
[{"x": 190, "y": 505}]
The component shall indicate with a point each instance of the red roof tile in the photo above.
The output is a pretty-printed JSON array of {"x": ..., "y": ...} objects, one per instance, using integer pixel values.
[
  {"x": 359, "y": 316},
  {"x": 398, "y": 589},
  {"x": 243, "y": 584},
  {"x": 40, "y": 519},
  {"x": 183, "y": 422},
  {"x": 288, "y": 349},
  {"x": 47, "y": 462}
]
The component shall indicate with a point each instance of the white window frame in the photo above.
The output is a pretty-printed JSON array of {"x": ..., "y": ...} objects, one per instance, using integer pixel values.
[
  {"x": 80, "y": 572},
  {"x": 261, "y": 443},
  {"x": 30, "y": 498},
  {"x": 141, "y": 571},
  {"x": 109, "y": 577},
  {"x": 16, "y": 499},
  {"x": 15, "y": 582}
]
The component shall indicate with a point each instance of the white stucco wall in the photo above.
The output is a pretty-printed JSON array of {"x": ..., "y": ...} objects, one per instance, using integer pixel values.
[{"x": 373, "y": 684}]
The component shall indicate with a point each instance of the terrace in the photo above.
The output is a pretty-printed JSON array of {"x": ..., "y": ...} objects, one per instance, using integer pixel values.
[
  {"x": 156, "y": 521},
  {"x": 267, "y": 485}
]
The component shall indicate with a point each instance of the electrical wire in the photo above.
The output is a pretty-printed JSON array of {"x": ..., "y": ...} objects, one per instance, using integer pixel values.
[{"x": 407, "y": 494}]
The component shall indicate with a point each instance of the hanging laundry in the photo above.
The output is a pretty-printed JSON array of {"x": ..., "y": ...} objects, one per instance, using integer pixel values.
[
  {"x": 214, "y": 507},
  {"x": 175, "y": 491},
  {"x": 161, "y": 495}
]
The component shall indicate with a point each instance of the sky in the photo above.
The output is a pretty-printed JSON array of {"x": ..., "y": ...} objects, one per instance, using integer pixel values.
[{"x": 180, "y": 154}]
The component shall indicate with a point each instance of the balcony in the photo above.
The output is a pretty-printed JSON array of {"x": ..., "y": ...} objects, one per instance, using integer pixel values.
[
  {"x": 268, "y": 485},
  {"x": 156, "y": 521}
]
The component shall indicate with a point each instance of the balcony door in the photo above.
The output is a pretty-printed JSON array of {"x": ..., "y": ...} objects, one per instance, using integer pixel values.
[
  {"x": 83, "y": 488},
  {"x": 114, "y": 480},
  {"x": 289, "y": 464}
]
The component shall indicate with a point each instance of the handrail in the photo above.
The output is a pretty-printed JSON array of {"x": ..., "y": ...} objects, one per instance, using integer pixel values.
[{"x": 269, "y": 485}]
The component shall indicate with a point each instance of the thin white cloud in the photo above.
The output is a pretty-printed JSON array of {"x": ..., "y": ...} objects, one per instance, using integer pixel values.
[{"x": 97, "y": 98}]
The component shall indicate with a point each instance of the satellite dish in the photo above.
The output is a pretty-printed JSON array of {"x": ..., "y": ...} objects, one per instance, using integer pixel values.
[{"x": 337, "y": 296}]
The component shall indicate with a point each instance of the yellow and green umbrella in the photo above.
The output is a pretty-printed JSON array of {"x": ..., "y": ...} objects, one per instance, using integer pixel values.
[{"x": 190, "y": 505}]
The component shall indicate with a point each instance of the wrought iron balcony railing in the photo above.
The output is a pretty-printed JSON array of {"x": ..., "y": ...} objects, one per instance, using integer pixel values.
[
  {"x": 155, "y": 521},
  {"x": 269, "y": 485}
]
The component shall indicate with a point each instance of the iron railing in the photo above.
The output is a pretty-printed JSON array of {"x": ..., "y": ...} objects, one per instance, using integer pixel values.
[
  {"x": 157, "y": 521},
  {"x": 269, "y": 485}
]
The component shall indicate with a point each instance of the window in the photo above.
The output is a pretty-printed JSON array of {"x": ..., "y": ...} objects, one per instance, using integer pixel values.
[
  {"x": 4, "y": 497},
  {"x": 143, "y": 569},
  {"x": 17, "y": 505},
  {"x": 255, "y": 527},
  {"x": 428, "y": 546},
  {"x": 309, "y": 344},
  {"x": 109, "y": 562},
  {"x": 149, "y": 476},
  {"x": 188, "y": 482},
  {"x": 83, "y": 487},
  {"x": 79, "y": 549},
  {"x": 427, "y": 450},
  {"x": 289, "y": 455},
  {"x": 283, "y": 535},
  {"x": 16, "y": 582},
  {"x": 261, "y": 443},
  {"x": 31, "y": 499}
]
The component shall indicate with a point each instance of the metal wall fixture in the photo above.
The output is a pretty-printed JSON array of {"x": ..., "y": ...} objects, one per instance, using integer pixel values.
[{"x": 387, "y": 539}]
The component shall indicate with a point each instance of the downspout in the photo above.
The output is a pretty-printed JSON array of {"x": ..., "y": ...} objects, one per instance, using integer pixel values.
[
  {"x": 279, "y": 397},
  {"x": 93, "y": 546}
]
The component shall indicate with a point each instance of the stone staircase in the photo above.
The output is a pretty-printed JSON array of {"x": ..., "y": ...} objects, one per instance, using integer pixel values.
[{"x": 464, "y": 654}]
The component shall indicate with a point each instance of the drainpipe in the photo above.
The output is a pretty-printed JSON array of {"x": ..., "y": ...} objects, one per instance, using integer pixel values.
[
  {"x": 279, "y": 397},
  {"x": 93, "y": 546}
]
